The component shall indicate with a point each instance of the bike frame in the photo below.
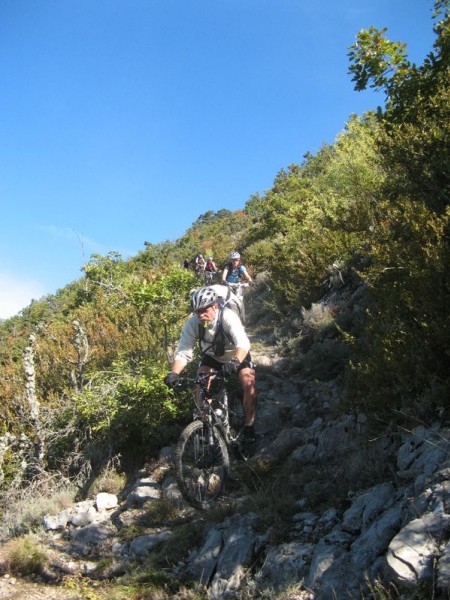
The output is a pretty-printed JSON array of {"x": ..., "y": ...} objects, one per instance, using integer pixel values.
[
  {"x": 238, "y": 288},
  {"x": 210, "y": 277},
  {"x": 206, "y": 404}
]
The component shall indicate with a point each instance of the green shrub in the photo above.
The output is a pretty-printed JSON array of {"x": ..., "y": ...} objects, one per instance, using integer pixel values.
[{"x": 25, "y": 556}]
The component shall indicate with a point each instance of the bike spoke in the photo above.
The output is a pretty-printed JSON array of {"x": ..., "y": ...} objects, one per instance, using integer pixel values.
[{"x": 203, "y": 465}]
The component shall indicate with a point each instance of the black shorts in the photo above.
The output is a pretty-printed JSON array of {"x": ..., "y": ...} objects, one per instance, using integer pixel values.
[{"x": 210, "y": 361}]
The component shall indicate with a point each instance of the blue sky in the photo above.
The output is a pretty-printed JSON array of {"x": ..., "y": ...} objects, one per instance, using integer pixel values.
[{"x": 122, "y": 121}]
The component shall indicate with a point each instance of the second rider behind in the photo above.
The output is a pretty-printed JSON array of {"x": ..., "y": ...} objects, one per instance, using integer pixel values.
[{"x": 234, "y": 271}]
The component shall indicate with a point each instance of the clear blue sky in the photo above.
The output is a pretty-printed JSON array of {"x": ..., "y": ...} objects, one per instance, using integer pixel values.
[{"x": 122, "y": 121}]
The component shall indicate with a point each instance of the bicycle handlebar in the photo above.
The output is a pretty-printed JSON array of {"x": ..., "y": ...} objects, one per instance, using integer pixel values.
[
  {"x": 200, "y": 379},
  {"x": 239, "y": 284}
]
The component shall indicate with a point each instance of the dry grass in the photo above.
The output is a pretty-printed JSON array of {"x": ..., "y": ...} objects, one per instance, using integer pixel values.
[
  {"x": 23, "y": 510},
  {"x": 295, "y": 591},
  {"x": 109, "y": 480},
  {"x": 319, "y": 316},
  {"x": 25, "y": 556},
  {"x": 159, "y": 512}
]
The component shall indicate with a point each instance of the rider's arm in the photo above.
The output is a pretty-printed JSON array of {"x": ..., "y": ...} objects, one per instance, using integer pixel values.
[
  {"x": 246, "y": 275},
  {"x": 224, "y": 275},
  {"x": 185, "y": 349},
  {"x": 178, "y": 366},
  {"x": 240, "y": 354}
]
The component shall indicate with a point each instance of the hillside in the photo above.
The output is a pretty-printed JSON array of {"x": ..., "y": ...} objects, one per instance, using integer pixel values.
[
  {"x": 350, "y": 332},
  {"x": 315, "y": 513}
]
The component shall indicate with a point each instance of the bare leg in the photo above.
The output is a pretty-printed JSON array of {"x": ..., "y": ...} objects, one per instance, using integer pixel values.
[{"x": 248, "y": 382}]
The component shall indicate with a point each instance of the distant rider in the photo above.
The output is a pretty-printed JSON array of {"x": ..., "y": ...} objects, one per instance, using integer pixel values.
[
  {"x": 199, "y": 263},
  {"x": 234, "y": 271},
  {"x": 234, "y": 357},
  {"x": 210, "y": 265}
]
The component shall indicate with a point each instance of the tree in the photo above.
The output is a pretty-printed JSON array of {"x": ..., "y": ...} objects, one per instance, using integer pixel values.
[
  {"x": 409, "y": 279},
  {"x": 415, "y": 141}
]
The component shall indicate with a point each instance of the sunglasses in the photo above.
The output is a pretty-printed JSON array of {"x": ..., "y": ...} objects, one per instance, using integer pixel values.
[{"x": 200, "y": 311}]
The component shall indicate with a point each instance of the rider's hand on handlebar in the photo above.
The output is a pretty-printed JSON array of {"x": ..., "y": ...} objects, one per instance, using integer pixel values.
[
  {"x": 231, "y": 367},
  {"x": 171, "y": 379}
]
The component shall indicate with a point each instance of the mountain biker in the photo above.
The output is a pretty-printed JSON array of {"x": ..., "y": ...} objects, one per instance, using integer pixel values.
[
  {"x": 233, "y": 358},
  {"x": 225, "y": 298},
  {"x": 234, "y": 271},
  {"x": 210, "y": 265},
  {"x": 199, "y": 263}
]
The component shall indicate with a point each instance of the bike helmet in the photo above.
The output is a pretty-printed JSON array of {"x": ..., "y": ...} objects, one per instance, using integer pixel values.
[
  {"x": 203, "y": 298},
  {"x": 235, "y": 255}
]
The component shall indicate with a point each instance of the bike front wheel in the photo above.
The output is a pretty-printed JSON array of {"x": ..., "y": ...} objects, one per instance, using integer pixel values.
[{"x": 201, "y": 464}]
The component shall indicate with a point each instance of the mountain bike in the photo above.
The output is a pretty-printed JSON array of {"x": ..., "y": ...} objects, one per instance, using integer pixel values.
[
  {"x": 238, "y": 288},
  {"x": 202, "y": 454},
  {"x": 210, "y": 277}
]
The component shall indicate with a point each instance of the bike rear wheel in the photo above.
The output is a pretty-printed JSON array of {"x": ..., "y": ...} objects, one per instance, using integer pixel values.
[{"x": 201, "y": 464}]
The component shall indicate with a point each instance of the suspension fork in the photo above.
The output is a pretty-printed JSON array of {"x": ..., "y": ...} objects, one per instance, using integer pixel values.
[{"x": 210, "y": 431}]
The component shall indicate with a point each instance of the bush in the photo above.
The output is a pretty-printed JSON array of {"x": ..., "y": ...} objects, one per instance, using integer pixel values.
[{"x": 25, "y": 556}]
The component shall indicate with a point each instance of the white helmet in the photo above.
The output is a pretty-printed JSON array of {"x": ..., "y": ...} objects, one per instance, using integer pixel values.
[
  {"x": 234, "y": 255},
  {"x": 203, "y": 298}
]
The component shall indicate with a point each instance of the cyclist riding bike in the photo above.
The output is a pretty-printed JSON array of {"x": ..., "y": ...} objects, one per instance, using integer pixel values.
[
  {"x": 234, "y": 272},
  {"x": 199, "y": 263},
  {"x": 210, "y": 271},
  {"x": 210, "y": 265},
  {"x": 232, "y": 355}
]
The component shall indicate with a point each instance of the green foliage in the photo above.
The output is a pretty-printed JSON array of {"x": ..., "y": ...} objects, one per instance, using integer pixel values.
[
  {"x": 414, "y": 143},
  {"x": 373, "y": 206},
  {"x": 407, "y": 334},
  {"x": 125, "y": 406},
  {"x": 163, "y": 291},
  {"x": 377, "y": 59},
  {"x": 165, "y": 297},
  {"x": 85, "y": 589},
  {"x": 215, "y": 235},
  {"x": 406, "y": 356},
  {"x": 417, "y": 153},
  {"x": 104, "y": 269},
  {"x": 318, "y": 214}
]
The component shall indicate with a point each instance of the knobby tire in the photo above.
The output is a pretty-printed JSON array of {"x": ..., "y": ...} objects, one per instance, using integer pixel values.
[{"x": 201, "y": 468}]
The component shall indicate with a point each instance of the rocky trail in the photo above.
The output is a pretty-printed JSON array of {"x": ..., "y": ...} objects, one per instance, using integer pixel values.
[{"x": 391, "y": 526}]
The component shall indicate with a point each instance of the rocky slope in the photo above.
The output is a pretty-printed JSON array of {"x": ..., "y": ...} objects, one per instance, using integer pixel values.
[{"x": 319, "y": 511}]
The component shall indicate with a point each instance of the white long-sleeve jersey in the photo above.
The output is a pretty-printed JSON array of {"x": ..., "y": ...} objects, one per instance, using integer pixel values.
[{"x": 235, "y": 337}]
